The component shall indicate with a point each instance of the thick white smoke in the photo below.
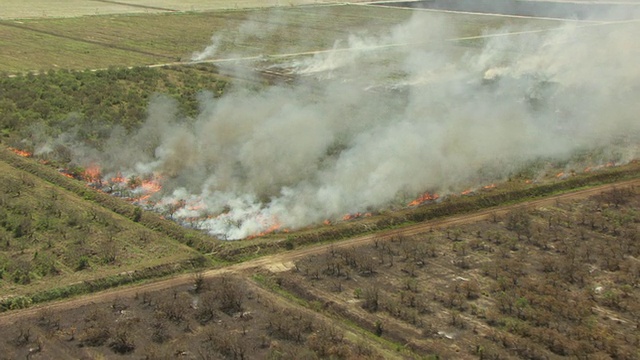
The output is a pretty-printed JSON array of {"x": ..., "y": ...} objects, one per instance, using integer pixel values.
[{"x": 380, "y": 123}]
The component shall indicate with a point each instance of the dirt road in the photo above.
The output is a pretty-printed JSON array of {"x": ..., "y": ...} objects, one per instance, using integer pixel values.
[{"x": 285, "y": 260}]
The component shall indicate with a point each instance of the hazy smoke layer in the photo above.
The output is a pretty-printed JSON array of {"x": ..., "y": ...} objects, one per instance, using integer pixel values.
[{"x": 376, "y": 126}]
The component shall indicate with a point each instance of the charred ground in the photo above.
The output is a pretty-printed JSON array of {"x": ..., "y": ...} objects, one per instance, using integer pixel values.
[{"x": 549, "y": 279}]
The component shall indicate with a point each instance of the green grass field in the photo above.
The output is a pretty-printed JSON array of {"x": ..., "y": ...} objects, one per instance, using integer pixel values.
[
  {"x": 73, "y": 8},
  {"x": 143, "y": 39}
]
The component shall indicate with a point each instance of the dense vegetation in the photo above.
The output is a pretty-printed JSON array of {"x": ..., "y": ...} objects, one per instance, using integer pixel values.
[{"x": 92, "y": 102}]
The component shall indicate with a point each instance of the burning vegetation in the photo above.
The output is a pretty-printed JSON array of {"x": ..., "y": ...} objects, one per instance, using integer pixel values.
[
  {"x": 373, "y": 124},
  {"x": 424, "y": 198}
]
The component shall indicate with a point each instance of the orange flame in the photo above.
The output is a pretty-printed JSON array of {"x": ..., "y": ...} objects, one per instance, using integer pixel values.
[
  {"x": 21, "y": 152},
  {"x": 560, "y": 174},
  {"x": 351, "y": 216},
  {"x": 490, "y": 186},
  {"x": 149, "y": 188},
  {"x": 272, "y": 228},
  {"x": 118, "y": 179},
  {"x": 92, "y": 174},
  {"x": 195, "y": 207},
  {"x": 327, "y": 222},
  {"x": 466, "y": 192},
  {"x": 424, "y": 198}
]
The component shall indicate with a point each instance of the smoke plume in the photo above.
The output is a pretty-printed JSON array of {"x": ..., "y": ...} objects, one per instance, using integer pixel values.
[{"x": 380, "y": 119}]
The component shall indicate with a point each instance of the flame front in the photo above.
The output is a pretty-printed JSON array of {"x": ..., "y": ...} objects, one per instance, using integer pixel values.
[
  {"x": 273, "y": 228},
  {"x": 148, "y": 188},
  {"x": 233, "y": 221},
  {"x": 427, "y": 196},
  {"x": 348, "y": 217},
  {"x": 118, "y": 179},
  {"x": 92, "y": 174},
  {"x": 21, "y": 152}
]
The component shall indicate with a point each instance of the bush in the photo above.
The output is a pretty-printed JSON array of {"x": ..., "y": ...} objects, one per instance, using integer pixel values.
[{"x": 83, "y": 263}]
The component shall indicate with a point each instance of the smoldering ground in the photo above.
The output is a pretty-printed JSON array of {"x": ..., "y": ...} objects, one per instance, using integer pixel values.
[{"x": 381, "y": 119}]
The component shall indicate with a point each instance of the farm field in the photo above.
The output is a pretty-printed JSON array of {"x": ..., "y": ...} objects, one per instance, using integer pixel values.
[
  {"x": 52, "y": 238},
  {"x": 74, "y": 8},
  {"x": 543, "y": 263},
  {"x": 534, "y": 282},
  {"x": 134, "y": 40},
  {"x": 225, "y": 317},
  {"x": 547, "y": 280},
  {"x": 75, "y": 240}
]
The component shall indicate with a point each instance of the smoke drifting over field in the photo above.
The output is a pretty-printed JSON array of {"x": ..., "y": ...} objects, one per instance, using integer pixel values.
[{"x": 385, "y": 124}]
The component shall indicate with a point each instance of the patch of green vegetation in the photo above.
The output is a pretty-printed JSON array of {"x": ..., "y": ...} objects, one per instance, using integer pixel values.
[
  {"x": 150, "y": 222},
  {"x": 93, "y": 285},
  {"x": 26, "y": 50},
  {"x": 272, "y": 284},
  {"x": 91, "y": 103}
]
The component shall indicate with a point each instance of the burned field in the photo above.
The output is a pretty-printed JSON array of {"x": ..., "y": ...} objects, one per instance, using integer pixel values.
[
  {"x": 552, "y": 281},
  {"x": 223, "y": 317},
  {"x": 534, "y": 283}
]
